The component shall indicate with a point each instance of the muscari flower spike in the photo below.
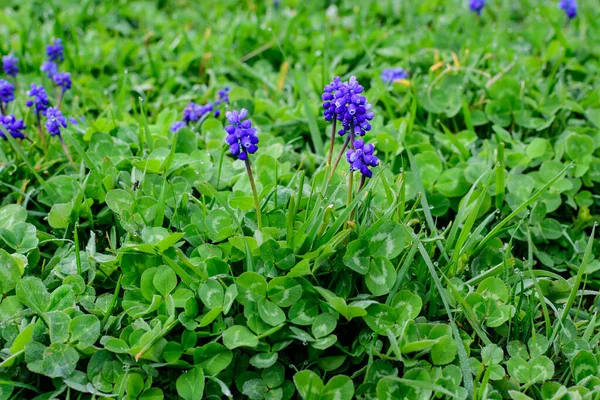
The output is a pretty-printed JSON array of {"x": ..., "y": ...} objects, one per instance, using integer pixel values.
[
  {"x": 352, "y": 109},
  {"x": 343, "y": 101},
  {"x": 63, "y": 80},
  {"x": 361, "y": 158},
  {"x": 56, "y": 121},
  {"x": 570, "y": 7},
  {"x": 223, "y": 99},
  {"x": 40, "y": 99},
  {"x": 55, "y": 51},
  {"x": 476, "y": 6},
  {"x": 50, "y": 68},
  {"x": 193, "y": 112},
  {"x": 9, "y": 65},
  {"x": 241, "y": 136},
  {"x": 7, "y": 92},
  {"x": 12, "y": 126},
  {"x": 329, "y": 96},
  {"x": 177, "y": 126},
  {"x": 389, "y": 75}
]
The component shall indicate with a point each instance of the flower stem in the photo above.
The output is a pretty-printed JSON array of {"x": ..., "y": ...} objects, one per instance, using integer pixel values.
[
  {"x": 64, "y": 146},
  {"x": 362, "y": 183},
  {"x": 337, "y": 161},
  {"x": 253, "y": 185},
  {"x": 40, "y": 132},
  {"x": 331, "y": 142}
]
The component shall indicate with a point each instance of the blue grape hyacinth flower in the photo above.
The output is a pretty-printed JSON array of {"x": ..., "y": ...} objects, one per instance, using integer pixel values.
[
  {"x": 55, "y": 122},
  {"x": 193, "y": 112},
  {"x": 570, "y": 7},
  {"x": 329, "y": 97},
  {"x": 352, "y": 109},
  {"x": 389, "y": 75},
  {"x": 177, "y": 126},
  {"x": 40, "y": 99},
  {"x": 476, "y": 6},
  {"x": 62, "y": 80},
  {"x": 9, "y": 65},
  {"x": 55, "y": 51},
  {"x": 361, "y": 158},
  {"x": 241, "y": 136},
  {"x": 12, "y": 126},
  {"x": 7, "y": 92},
  {"x": 221, "y": 101},
  {"x": 50, "y": 68}
]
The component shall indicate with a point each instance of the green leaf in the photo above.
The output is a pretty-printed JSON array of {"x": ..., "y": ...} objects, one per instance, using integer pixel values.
[
  {"x": 387, "y": 241},
  {"x": 264, "y": 360},
  {"x": 85, "y": 330},
  {"x": 323, "y": 325},
  {"x": 270, "y": 313},
  {"x": 213, "y": 358},
  {"x": 284, "y": 291},
  {"x": 164, "y": 280},
  {"x": 357, "y": 256},
  {"x": 452, "y": 183},
  {"x": 252, "y": 287},
  {"x": 59, "y": 360},
  {"x": 381, "y": 276},
  {"x": 579, "y": 146},
  {"x": 407, "y": 304},
  {"x": 218, "y": 225},
  {"x": 211, "y": 293},
  {"x": 190, "y": 385},
  {"x": 584, "y": 364},
  {"x": 444, "y": 351},
  {"x": 339, "y": 387},
  {"x": 58, "y": 323},
  {"x": 10, "y": 272},
  {"x": 11, "y": 215},
  {"x": 238, "y": 336},
  {"x": 309, "y": 385},
  {"x": 32, "y": 292}
]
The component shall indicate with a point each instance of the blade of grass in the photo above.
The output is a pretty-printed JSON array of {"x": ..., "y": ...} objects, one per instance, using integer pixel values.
[
  {"x": 575, "y": 288},
  {"x": 462, "y": 354},
  {"x": 424, "y": 202}
]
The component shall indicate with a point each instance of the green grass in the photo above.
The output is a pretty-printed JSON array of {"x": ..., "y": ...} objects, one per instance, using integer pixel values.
[{"x": 465, "y": 268}]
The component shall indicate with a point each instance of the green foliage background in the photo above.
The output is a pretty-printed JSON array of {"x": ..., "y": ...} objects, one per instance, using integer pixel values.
[{"x": 466, "y": 268}]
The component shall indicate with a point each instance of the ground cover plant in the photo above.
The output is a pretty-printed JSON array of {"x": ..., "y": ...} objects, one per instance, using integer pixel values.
[{"x": 299, "y": 199}]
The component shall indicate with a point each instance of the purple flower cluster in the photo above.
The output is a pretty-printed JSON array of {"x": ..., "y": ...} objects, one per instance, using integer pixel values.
[
  {"x": 361, "y": 158},
  {"x": 55, "y": 51},
  {"x": 12, "y": 126},
  {"x": 476, "y": 6},
  {"x": 344, "y": 102},
  {"x": 56, "y": 121},
  {"x": 9, "y": 65},
  {"x": 177, "y": 126},
  {"x": 570, "y": 7},
  {"x": 49, "y": 68},
  {"x": 7, "y": 92},
  {"x": 241, "y": 136},
  {"x": 40, "y": 99},
  {"x": 195, "y": 112},
  {"x": 390, "y": 75},
  {"x": 63, "y": 80},
  {"x": 222, "y": 100}
]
